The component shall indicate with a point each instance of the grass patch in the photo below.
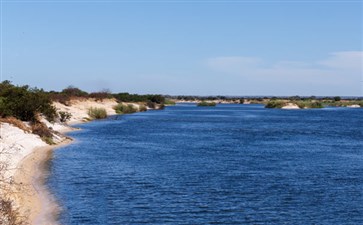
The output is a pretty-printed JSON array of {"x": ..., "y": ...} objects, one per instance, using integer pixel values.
[
  {"x": 169, "y": 102},
  {"x": 48, "y": 140},
  {"x": 125, "y": 108},
  {"x": 203, "y": 103},
  {"x": 97, "y": 113},
  {"x": 309, "y": 104}
]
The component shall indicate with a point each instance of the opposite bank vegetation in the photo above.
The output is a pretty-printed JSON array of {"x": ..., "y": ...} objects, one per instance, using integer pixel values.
[
  {"x": 33, "y": 110},
  {"x": 296, "y": 102}
]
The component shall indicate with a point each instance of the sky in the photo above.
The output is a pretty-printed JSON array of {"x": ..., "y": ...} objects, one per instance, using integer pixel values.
[{"x": 296, "y": 47}]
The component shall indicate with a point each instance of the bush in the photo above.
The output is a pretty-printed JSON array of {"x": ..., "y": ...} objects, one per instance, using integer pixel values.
[
  {"x": 125, "y": 108},
  {"x": 126, "y": 97},
  {"x": 104, "y": 94},
  {"x": 203, "y": 103},
  {"x": 337, "y": 98},
  {"x": 315, "y": 105},
  {"x": 275, "y": 104},
  {"x": 64, "y": 116},
  {"x": 151, "y": 105},
  {"x": 97, "y": 113},
  {"x": 25, "y": 103},
  {"x": 169, "y": 102},
  {"x": 60, "y": 97},
  {"x": 74, "y": 92}
]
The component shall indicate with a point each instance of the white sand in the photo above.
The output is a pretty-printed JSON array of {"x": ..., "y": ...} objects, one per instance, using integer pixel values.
[
  {"x": 25, "y": 152},
  {"x": 353, "y": 106},
  {"x": 79, "y": 108},
  {"x": 290, "y": 106},
  {"x": 15, "y": 145}
]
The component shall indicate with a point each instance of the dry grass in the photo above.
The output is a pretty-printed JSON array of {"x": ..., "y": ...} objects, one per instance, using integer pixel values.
[
  {"x": 17, "y": 123},
  {"x": 9, "y": 215},
  {"x": 42, "y": 130}
]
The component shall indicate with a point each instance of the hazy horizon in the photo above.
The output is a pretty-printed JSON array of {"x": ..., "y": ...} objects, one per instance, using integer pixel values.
[{"x": 262, "y": 48}]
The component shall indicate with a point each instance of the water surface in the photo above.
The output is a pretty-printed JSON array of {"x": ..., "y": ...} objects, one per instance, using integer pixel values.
[{"x": 230, "y": 164}]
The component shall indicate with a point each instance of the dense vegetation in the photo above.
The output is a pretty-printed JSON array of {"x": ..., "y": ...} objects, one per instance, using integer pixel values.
[
  {"x": 306, "y": 104},
  {"x": 25, "y": 103},
  {"x": 275, "y": 104},
  {"x": 126, "y": 97},
  {"x": 204, "y": 103}
]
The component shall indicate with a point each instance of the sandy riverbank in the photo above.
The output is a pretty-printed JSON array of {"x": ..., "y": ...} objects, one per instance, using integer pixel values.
[
  {"x": 27, "y": 157},
  {"x": 31, "y": 194}
]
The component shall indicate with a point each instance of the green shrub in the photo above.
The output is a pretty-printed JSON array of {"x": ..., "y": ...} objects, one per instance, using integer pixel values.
[
  {"x": 126, "y": 97},
  {"x": 74, "y": 92},
  {"x": 275, "y": 104},
  {"x": 48, "y": 140},
  {"x": 301, "y": 104},
  {"x": 97, "y": 113},
  {"x": 122, "y": 108},
  {"x": 104, "y": 94},
  {"x": 151, "y": 105},
  {"x": 203, "y": 103},
  {"x": 308, "y": 104},
  {"x": 64, "y": 116},
  {"x": 169, "y": 102},
  {"x": 315, "y": 105},
  {"x": 25, "y": 103}
]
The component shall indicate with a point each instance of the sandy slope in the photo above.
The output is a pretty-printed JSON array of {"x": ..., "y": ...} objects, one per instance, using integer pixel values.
[
  {"x": 79, "y": 108},
  {"x": 26, "y": 156}
]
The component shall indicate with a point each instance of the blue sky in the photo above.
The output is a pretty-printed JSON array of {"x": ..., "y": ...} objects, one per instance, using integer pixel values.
[{"x": 186, "y": 47}]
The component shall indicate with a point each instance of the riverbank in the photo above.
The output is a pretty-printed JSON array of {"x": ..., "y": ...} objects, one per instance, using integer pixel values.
[
  {"x": 31, "y": 194},
  {"x": 25, "y": 157}
]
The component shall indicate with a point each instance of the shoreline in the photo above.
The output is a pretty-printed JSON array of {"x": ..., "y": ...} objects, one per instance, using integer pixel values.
[
  {"x": 29, "y": 156},
  {"x": 33, "y": 197}
]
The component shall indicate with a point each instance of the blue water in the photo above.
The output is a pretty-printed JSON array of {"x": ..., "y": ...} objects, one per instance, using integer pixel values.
[{"x": 230, "y": 164}]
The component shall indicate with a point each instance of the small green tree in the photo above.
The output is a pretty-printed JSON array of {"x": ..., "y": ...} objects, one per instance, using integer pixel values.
[{"x": 64, "y": 116}]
